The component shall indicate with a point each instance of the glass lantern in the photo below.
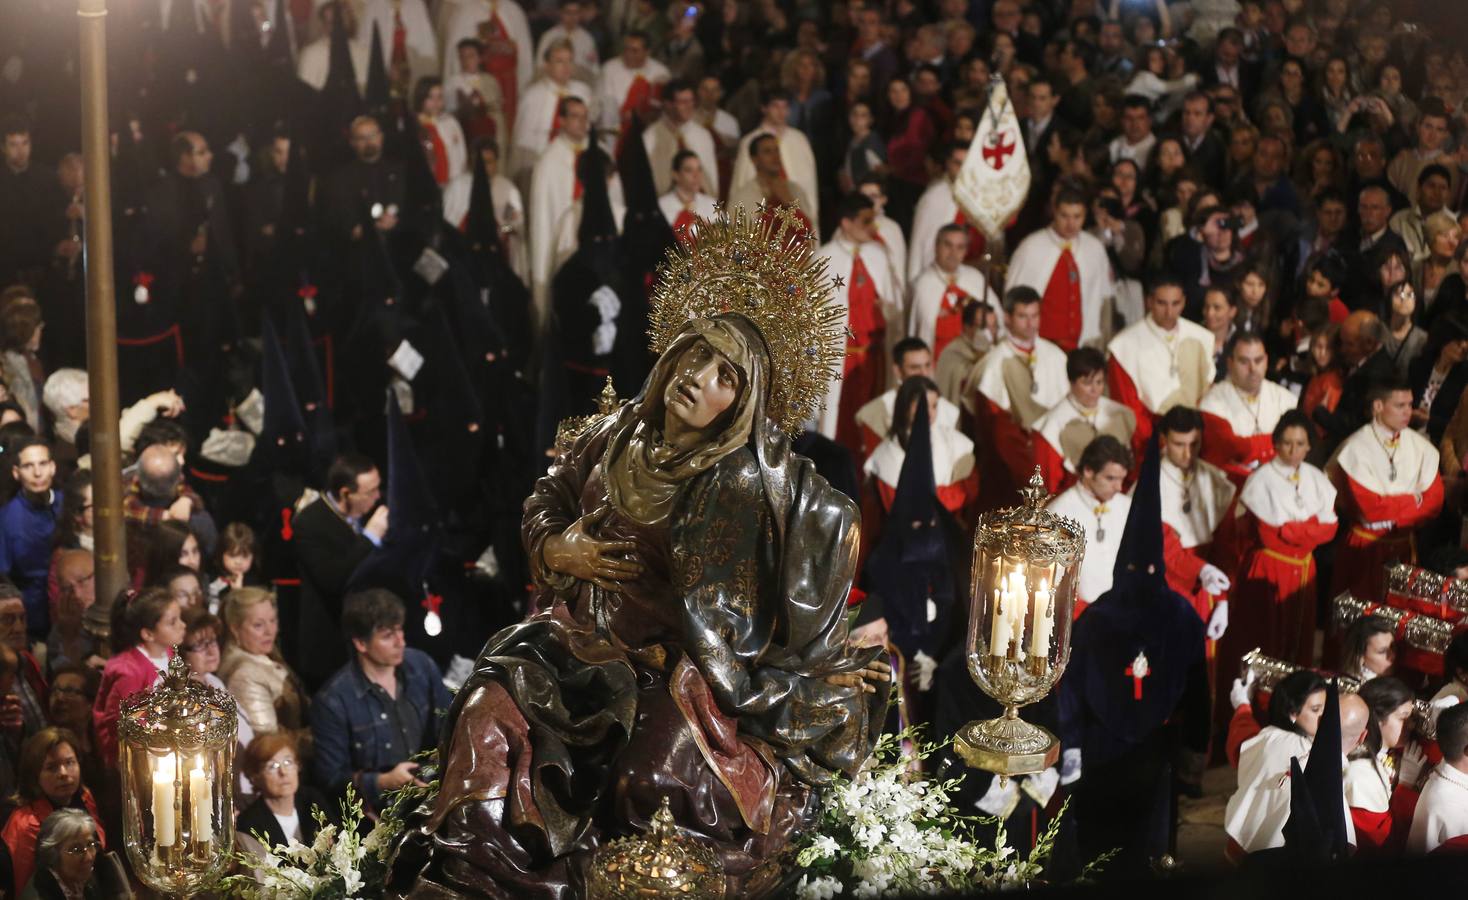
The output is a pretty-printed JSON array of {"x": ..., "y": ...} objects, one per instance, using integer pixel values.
[
  {"x": 1026, "y": 565},
  {"x": 176, "y": 754}
]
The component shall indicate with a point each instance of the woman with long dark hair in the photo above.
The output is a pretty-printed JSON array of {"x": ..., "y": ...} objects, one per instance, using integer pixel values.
[
  {"x": 1385, "y": 771},
  {"x": 1256, "y": 813}
]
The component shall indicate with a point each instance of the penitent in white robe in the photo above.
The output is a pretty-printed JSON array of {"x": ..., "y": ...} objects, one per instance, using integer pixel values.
[
  {"x": 534, "y": 117},
  {"x": 314, "y": 64},
  {"x": 925, "y": 299},
  {"x": 615, "y": 83},
  {"x": 1104, "y": 523},
  {"x": 583, "y": 50},
  {"x": 1034, "y": 260},
  {"x": 796, "y": 156},
  {"x": 935, "y": 208},
  {"x": 552, "y": 193},
  {"x": 421, "y": 44},
  {"x": 663, "y": 143},
  {"x": 840, "y": 259}
]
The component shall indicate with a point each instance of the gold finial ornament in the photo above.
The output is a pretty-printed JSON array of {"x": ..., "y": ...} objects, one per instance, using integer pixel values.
[
  {"x": 658, "y": 864},
  {"x": 764, "y": 266},
  {"x": 572, "y": 427}
]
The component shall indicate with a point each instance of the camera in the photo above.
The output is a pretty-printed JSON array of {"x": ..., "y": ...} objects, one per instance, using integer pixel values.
[{"x": 1112, "y": 207}]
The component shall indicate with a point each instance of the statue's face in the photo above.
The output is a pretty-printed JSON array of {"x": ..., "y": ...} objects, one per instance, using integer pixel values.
[{"x": 703, "y": 384}]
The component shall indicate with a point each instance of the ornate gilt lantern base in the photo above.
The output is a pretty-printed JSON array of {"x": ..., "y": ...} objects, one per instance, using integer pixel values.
[
  {"x": 1026, "y": 565},
  {"x": 660, "y": 864}
]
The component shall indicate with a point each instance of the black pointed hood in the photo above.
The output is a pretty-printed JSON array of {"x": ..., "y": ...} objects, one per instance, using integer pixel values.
[
  {"x": 379, "y": 88},
  {"x": 278, "y": 52},
  {"x": 409, "y": 549},
  {"x": 311, "y": 389},
  {"x": 1316, "y": 830},
  {"x": 598, "y": 223},
  {"x": 909, "y": 568},
  {"x": 481, "y": 225},
  {"x": 1140, "y": 555},
  {"x": 341, "y": 74},
  {"x": 282, "y": 442}
]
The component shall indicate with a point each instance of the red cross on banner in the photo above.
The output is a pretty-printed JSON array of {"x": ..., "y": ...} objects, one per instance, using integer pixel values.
[
  {"x": 998, "y": 149},
  {"x": 1136, "y": 672}
]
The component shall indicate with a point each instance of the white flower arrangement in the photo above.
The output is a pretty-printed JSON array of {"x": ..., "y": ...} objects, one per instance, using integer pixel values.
[
  {"x": 340, "y": 864},
  {"x": 892, "y": 832}
]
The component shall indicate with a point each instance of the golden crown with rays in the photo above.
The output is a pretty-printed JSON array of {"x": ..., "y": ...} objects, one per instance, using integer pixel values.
[{"x": 764, "y": 266}]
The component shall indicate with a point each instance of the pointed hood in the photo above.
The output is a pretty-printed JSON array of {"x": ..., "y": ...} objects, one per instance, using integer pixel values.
[
  {"x": 311, "y": 391},
  {"x": 341, "y": 74},
  {"x": 481, "y": 225},
  {"x": 283, "y": 436},
  {"x": 409, "y": 549},
  {"x": 1140, "y": 553},
  {"x": 1316, "y": 830},
  {"x": 455, "y": 422},
  {"x": 909, "y": 568},
  {"x": 278, "y": 52},
  {"x": 379, "y": 89},
  {"x": 598, "y": 224}
]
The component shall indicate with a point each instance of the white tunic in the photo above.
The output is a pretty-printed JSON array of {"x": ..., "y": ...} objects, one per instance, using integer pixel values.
[
  {"x": 583, "y": 49},
  {"x": 1110, "y": 418},
  {"x": 993, "y": 379},
  {"x": 876, "y": 414},
  {"x": 935, "y": 208},
  {"x": 568, "y": 226},
  {"x": 672, "y": 206},
  {"x": 1104, "y": 523},
  {"x": 891, "y": 238},
  {"x": 314, "y": 64},
  {"x": 1147, "y": 354},
  {"x": 552, "y": 193},
  {"x": 461, "y": 19},
  {"x": 1275, "y": 499},
  {"x": 953, "y": 457},
  {"x": 662, "y": 143},
  {"x": 925, "y": 301},
  {"x": 1248, "y": 419},
  {"x": 535, "y": 115},
  {"x": 1442, "y": 810},
  {"x": 796, "y": 156},
  {"x": 840, "y": 257},
  {"x": 1195, "y": 502},
  {"x": 1364, "y": 458},
  {"x": 616, "y": 81},
  {"x": 1257, "y": 812},
  {"x": 1034, "y": 261}
]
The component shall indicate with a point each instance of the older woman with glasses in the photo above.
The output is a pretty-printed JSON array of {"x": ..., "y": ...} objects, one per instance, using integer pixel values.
[
  {"x": 200, "y": 649},
  {"x": 49, "y": 779},
  {"x": 69, "y": 860},
  {"x": 283, "y": 806}
]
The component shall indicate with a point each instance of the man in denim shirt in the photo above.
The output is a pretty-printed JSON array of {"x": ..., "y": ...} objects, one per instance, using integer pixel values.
[{"x": 379, "y": 710}]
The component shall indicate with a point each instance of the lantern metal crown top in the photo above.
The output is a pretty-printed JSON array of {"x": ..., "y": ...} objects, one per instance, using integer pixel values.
[
  {"x": 1030, "y": 531},
  {"x": 178, "y": 713},
  {"x": 661, "y": 863}
]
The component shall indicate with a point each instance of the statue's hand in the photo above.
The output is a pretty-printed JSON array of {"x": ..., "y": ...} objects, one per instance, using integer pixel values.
[
  {"x": 577, "y": 553},
  {"x": 876, "y": 672}
]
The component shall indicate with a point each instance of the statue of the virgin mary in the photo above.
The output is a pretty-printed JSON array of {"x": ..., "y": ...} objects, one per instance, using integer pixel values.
[{"x": 691, "y": 574}]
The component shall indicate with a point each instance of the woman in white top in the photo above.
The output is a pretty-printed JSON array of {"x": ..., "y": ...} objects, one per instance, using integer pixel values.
[
  {"x": 1256, "y": 813},
  {"x": 1385, "y": 773}
]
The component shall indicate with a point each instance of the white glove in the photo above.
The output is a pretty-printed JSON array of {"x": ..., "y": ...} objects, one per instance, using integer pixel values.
[
  {"x": 1384, "y": 525},
  {"x": 1042, "y": 787},
  {"x": 1445, "y": 702},
  {"x": 1218, "y": 622},
  {"x": 1214, "y": 581},
  {"x": 1242, "y": 690},
  {"x": 1070, "y": 765},
  {"x": 1414, "y": 763},
  {"x": 999, "y": 800},
  {"x": 926, "y": 666}
]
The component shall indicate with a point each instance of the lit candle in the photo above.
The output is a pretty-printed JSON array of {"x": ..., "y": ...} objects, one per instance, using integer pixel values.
[
  {"x": 165, "y": 831},
  {"x": 201, "y": 796},
  {"x": 1044, "y": 621},
  {"x": 1000, "y": 631}
]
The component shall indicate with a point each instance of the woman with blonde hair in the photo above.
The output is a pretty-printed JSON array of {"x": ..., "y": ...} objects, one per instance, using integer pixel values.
[
  {"x": 269, "y": 693},
  {"x": 1441, "y": 236}
]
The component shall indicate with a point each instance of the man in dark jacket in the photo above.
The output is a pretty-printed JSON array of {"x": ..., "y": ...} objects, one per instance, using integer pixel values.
[
  {"x": 379, "y": 710},
  {"x": 331, "y": 542}
]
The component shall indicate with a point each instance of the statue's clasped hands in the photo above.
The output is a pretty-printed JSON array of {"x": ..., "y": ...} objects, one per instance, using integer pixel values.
[
  {"x": 576, "y": 552},
  {"x": 867, "y": 679}
]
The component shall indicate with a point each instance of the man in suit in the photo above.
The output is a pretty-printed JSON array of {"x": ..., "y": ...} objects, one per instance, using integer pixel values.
[
  {"x": 1366, "y": 246},
  {"x": 1203, "y": 147},
  {"x": 331, "y": 542},
  {"x": 1367, "y": 364},
  {"x": 1229, "y": 66}
]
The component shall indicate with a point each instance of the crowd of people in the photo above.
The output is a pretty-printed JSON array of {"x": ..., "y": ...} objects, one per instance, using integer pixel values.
[{"x": 370, "y": 253}]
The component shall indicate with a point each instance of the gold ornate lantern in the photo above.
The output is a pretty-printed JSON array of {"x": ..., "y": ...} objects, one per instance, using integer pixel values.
[
  {"x": 176, "y": 754},
  {"x": 659, "y": 864},
  {"x": 1026, "y": 565}
]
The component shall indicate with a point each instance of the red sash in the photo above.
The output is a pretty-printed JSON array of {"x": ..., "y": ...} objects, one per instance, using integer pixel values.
[
  {"x": 865, "y": 312},
  {"x": 639, "y": 97},
  {"x": 434, "y": 149},
  {"x": 1060, "y": 307},
  {"x": 683, "y": 227},
  {"x": 498, "y": 59},
  {"x": 475, "y": 121},
  {"x": 950, "y": 319}
]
